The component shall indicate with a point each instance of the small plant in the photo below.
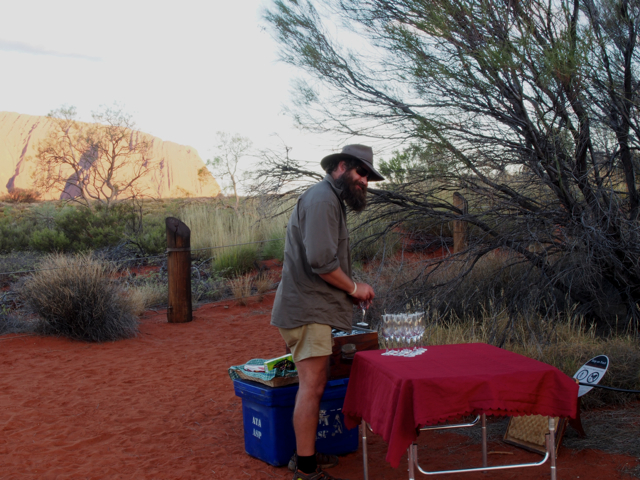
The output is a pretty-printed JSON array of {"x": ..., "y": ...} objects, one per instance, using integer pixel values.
[
  {"x": 274, "y": 248},
  {"x": 78, "y": 297},
  {"x": 241, "y": 289},
  {"x": 264, "y": 282},
  {"x": 235, "y": 260}
]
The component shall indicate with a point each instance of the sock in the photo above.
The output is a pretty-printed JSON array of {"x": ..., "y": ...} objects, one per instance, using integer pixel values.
[{"x": 307, "y": 464}]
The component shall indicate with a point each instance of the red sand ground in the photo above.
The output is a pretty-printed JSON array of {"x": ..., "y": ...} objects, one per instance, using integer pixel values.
[{"x": 162, "y": 406}]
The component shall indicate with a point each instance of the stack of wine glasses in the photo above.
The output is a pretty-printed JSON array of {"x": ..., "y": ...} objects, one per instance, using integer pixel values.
[{"x": 405, "y": 330}]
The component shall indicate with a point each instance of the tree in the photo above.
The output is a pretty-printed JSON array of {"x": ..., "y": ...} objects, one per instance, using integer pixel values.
[
  {"x": 231, "y": 149},
  {"x": 95, "y": 163},
  {"x": 533, "y": 105}
]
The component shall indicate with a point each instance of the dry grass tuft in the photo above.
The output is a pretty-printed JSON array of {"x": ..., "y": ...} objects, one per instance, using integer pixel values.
[
  {"x": 21, "y": 195},
  {"x": 149, "y": 295},
  {"x": 264, "y": 282},
  {"x": 241, "y": 289},
  {"x": 78, "y": 297}
]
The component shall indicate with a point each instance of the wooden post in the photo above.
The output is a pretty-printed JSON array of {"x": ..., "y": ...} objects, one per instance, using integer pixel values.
[
  {"x": 460, "y": 228},
  {"x": 179, "y": 271}
]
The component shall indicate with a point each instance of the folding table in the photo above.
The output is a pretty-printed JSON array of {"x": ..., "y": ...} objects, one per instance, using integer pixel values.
[{"x": 398, "y": 396}]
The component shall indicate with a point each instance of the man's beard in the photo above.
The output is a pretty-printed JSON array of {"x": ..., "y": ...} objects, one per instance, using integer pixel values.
[{"x": 353, "y": 196}]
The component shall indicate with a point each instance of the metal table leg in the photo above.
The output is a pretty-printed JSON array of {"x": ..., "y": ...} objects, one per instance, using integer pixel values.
[
  {"x": 484, "y": 440},
  {"x": 550, "y": 453},
  {"x": 365, "y": 459},
  {"x": 551, "y": 448},
  {"x": 412, "y": 462}
]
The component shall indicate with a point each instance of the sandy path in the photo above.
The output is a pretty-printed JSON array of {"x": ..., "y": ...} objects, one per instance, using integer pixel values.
[{"x": 162, "y": 406}]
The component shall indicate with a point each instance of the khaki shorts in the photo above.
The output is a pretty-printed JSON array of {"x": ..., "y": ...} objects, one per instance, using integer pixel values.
[{"x": 311, "y": 340}]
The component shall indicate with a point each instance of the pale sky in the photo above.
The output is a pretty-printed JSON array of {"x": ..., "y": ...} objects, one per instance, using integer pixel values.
[{"x": 184, "y": 70}]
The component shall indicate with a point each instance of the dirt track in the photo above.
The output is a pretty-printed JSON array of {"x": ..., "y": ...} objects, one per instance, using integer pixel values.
[{"x": 162, "y": 406}]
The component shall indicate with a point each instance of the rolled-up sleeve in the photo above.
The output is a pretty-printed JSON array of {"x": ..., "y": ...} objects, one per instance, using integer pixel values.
[{"x": 319, "y": 230}]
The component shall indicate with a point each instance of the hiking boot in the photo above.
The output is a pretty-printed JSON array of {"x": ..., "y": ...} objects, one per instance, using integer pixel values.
[
  {"x": 324, "y": 461},
  {"x": 317, "y": 475}
]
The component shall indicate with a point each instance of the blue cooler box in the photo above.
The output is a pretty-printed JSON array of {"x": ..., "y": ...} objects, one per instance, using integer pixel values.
[{"x": 268, "y": 427}]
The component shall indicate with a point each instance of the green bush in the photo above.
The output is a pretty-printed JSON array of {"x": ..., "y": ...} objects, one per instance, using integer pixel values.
[
  {"x": 91, "y": 230},
  {"x": 16, "y": 228},
  {"x": 152, "y": 239},
  {"x": 230, "y": 262},
  {"x": 274, "y": 248},
  {"x": 77, "y": 297},
  {"x": 48, "y": 240}
]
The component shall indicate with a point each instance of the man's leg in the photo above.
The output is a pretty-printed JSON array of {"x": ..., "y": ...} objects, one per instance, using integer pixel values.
[{"x": 312, "y": 376}]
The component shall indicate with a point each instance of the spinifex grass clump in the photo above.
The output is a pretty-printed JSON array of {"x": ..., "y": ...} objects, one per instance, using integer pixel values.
[
  {"x": 78, "y": 297},
  {"x": 241, "y": 288}
]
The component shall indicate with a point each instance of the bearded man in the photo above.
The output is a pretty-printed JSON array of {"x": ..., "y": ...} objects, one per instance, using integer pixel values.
[{"x": 317, "y": 292}]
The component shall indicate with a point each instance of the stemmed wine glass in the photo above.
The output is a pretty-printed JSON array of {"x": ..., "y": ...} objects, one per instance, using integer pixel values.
[
  {"x": 386, "y": 330},
  {"x": 403, "y": 330},
  {"x": 420, "y": 328}
]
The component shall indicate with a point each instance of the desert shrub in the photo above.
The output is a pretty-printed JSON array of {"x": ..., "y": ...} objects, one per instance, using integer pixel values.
[
  {"x": 21, "y": 195},
  {"x": 77, "y": 297},
  {"x": 152, "y": 239},
  {"x": 91, "y": 230},
  {"x": 47, "y": 240},
  {"x": 241, "y": 289},
  {"x": 264, "y": 282},
  {"x": 274, "y": 248},
  {"x": 16, "y": 228},
  {"x": 234, "y": 261}
]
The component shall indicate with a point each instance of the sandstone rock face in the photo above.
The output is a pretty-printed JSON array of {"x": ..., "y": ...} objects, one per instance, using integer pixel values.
[{"x": 177, "y": 168}]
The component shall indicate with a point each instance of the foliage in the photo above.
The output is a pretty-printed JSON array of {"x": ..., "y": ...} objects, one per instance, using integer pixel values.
[
  {"x": 48, "y": 240},
  {"x": 16, "y": 228},
  {"x": 274, "y": 247},
  {"x": 96, "y": 163},
  {"x": 77, "y": 297},
  {"x": 56, "y": 226},
  {"x": 413, "y": 163},
  {"x": 234, "y": 261},
  {"x": 531, "y": 107}
]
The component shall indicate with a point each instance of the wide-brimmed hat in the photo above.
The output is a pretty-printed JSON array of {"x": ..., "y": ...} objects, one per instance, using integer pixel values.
[{"x": 359, "y": 152}]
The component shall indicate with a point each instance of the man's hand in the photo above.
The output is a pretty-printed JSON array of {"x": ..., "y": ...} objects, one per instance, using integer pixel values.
[
  {"x": 364, "y": 293},
  {"x": 339, "y": 279}
]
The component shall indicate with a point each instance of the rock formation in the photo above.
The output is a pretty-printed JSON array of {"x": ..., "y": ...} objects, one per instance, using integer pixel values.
[{"x": 178, "y": 170}]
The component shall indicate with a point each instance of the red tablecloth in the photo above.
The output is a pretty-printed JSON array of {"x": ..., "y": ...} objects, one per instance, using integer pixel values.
[{"x": 397, "y": 394}]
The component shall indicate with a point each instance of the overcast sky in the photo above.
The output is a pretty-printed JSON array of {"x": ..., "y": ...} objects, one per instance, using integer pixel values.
[{"x": 184, "y": 70}]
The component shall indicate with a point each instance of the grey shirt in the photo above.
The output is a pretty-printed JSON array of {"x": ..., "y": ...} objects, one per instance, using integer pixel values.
[{"x": 317, "y": 242}]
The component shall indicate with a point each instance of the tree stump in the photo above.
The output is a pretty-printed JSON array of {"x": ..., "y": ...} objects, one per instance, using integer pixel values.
[{"x": 179, "y": 271}]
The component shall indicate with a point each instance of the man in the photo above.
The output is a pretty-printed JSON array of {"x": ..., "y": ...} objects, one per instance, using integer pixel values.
[{"x": 317, "y": 292}]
